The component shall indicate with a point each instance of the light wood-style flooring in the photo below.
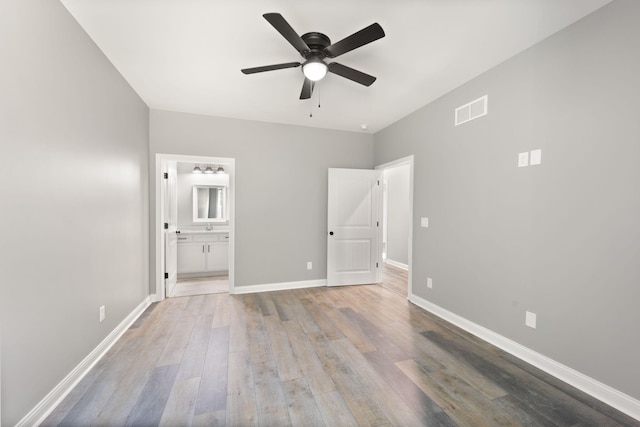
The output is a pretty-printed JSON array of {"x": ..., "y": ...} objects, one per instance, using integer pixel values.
[{"x": 338, "y": 356}]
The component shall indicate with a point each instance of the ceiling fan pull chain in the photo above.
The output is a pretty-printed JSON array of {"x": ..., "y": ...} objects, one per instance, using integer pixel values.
[{"x": 316, "y": 92}]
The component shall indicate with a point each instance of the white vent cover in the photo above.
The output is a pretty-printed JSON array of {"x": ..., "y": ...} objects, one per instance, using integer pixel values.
[{"x": 472, "y": 110}]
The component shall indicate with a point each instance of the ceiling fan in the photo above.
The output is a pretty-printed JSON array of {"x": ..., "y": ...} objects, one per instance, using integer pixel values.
[{"x": 315, "y": 47}]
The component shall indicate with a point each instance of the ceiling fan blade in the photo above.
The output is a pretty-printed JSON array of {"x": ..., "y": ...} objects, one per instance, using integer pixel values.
[
  {"x": 270, "y": 67},
  {"x": 351, "y": 74},
  {"x": 367, "y": 35},
  {"x": 283, "y": 27},
  {"x": 307, "y": 88}
]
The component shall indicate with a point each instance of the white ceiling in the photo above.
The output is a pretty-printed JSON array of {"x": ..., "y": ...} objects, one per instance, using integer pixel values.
[{"x": 186, "y": 55}]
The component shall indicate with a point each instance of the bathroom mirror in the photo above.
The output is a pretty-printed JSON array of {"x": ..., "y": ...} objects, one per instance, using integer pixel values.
[{"x": 209, "y": 203}]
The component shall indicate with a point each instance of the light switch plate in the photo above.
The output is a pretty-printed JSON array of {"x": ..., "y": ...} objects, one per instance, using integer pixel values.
[
  {"x": 523, "y": 159},
  {"x": 309, "y": 265},
  {"x": 429, "y": 282},
  {"x": 424, "y": 222},
  {"x": 530, "y": 319},
  {"x": 535, "y": 157},
  {"x": 103, "y": 312}
]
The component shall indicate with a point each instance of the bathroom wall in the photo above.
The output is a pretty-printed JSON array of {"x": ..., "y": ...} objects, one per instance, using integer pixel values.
[{"x": 185, "y": 182}]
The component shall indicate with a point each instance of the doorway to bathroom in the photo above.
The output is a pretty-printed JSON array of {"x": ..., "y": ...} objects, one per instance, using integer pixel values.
[{"x": 195, "y": 200}]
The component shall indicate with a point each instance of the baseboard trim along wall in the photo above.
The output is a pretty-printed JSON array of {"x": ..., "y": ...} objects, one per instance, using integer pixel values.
[
  {"x": 42, "y": 410},
  {"x": 396, "y": 264},
  {"x": 282, "y": 286},
  {"x": 600, "y": 391}
]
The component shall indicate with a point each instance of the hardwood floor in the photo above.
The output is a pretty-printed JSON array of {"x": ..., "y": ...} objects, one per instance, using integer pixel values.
[{"x": 338, "y": 356}]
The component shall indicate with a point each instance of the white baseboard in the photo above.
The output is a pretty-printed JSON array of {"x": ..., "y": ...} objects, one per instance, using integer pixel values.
[
  {"x": 279, "y": 286},
  {"x": 396, "y": 264},
  {"x": 42, "y": 410},
  {"x": 600, "y": 391}
]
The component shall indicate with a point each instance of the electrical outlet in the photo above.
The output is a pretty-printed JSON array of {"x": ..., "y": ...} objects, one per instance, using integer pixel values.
[
  {"x": 530, "y": 319},
  {"x": 429, "y": 282},
  {"x": 309, "y": 265},
  {"x": 103, "y": 313}
]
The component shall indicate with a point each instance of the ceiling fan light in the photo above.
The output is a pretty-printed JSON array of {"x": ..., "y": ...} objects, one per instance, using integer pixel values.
[{"x": 314, "y": 69}]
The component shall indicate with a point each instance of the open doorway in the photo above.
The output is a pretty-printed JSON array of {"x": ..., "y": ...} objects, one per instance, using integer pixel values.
[
  {"x": 397, "y": 224},
  {"x": 194, "y": 225}
]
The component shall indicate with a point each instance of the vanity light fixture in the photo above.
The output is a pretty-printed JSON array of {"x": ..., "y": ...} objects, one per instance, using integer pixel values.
[
  {"x": 220, "y": 169},
  {"x": 208, "y": 169},
  {"x": 196, "y": 169}
]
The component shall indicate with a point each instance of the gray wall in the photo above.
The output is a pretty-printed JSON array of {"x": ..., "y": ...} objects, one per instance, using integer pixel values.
[
  {"x": 74, "y": 150},
  {"x": 397, "y": 181},
  {"x": 561, "y": 239},
  {"x": 281, "y": 187}
]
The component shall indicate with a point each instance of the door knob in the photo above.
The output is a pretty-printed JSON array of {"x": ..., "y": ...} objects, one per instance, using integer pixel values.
[{"x": 331, "y": 233}]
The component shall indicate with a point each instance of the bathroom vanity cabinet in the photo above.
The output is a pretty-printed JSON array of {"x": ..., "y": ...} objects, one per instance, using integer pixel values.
[{"x": 203, "y": 252}]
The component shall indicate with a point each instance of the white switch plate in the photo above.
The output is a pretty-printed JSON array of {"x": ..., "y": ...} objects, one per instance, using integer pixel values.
[
  {"x": 523, "y": 159},
  {"x": 103, "y": 313},
  {"x": 424, "y": 222},
  {"x": 429, "y": 282},
  {"x": 530, "y": 319},
  {"x": 309, "y": 265},
  {"x": 535, "y": 158}
]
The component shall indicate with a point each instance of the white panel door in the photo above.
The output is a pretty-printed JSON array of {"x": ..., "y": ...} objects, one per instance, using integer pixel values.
[
  {"x": 170, "y": 261},
  {"x": 353, "y": 222},
  {"x": 169, "y": 215}
]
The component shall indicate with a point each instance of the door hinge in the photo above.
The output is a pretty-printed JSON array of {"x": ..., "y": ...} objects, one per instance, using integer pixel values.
[
  {"x": 376, "y": 265},
  {"x": 166, "y": 225},
  {"x": 166, "y": 275},
  {"x": 165, "y": 175},
  {"x": 378, "y": 183},
  {"x": 377, "y": 223}
]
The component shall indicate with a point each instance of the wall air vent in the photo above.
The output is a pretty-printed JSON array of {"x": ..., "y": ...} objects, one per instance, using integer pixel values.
[{"x": 472, "y": 110}]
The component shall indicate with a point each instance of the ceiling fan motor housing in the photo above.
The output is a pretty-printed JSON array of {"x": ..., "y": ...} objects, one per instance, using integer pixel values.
[{"x": 317, "y": 42}]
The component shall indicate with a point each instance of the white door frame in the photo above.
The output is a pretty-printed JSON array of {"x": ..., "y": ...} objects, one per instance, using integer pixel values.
[
  {"x": 230, "y": 168},
  {"x": 409, "y": 160}
]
